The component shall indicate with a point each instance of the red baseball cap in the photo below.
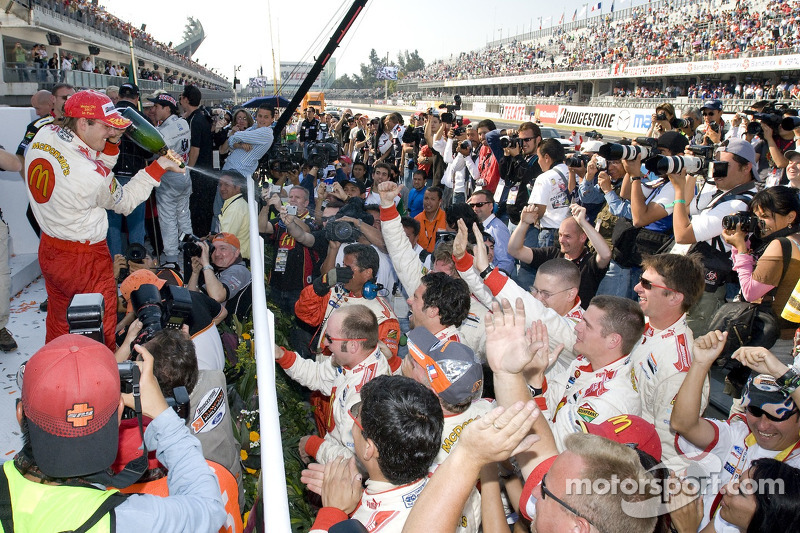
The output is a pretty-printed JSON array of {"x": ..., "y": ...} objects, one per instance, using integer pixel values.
[
  {"x": 630, "y": 430},
  {"x": 227, "y": 238},
  {"x": 70, "y": 396},
  {"x": 95, "y": 105},
  {"x": 136, "y": 280}
]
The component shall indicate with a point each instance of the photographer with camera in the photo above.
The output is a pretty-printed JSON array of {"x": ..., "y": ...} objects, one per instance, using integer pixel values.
[
  {"x": 457, "y": 151},
  {"x": 489, "y": 156},
  {"x": 714, "y": 128},
  {"x": 69, "y": 417},
  {"x": 228, "y": 274},
  {"x": 697, "y": 221},
  {"x": 779, "y": 141},
  {"x": 661, "y": 120}
]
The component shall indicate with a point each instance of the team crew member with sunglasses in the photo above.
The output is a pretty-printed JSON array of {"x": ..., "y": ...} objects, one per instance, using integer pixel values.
[
  {"x": 670, "y": 284},
  {"x": 351, "y": 336},
  {"x": 769, "y": 427}
]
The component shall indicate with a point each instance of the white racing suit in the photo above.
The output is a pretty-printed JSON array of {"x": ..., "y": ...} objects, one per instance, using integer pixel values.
[
  {"x": 383, "y": 508},
  {"x": 453, "y": 426},
  {"x": 344, "y": 387},
  {"x": 172, "y": 198},
  {"x": 661, "y": 360},
  {"x": 590, "y": 395},
  {"x": 409, "y": 269}
]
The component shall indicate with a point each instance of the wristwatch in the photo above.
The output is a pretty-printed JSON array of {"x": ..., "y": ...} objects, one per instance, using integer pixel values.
[
  {"x": 486, "y": 272},
  {"x": 789, "y": 381},
  {"x": 208, "y": 267},
  {"x": 636, "y": 178}
]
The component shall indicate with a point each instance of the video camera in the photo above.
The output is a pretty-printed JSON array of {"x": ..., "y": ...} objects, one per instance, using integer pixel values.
[
  {"x": 449, "y": 116},
  {"x": 702, "y": 161},
  {"x": 749, "y": 222},
  {"x": 772, "y": 116},
  {"x": 169, "y": 308},
  {"x": 321, "y": 154}
]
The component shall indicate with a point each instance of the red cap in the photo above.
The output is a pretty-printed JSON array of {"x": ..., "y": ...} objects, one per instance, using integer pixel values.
[
  {"x": 628, "y": 429},
  {"x": 227, "y": 238},
  {"x": 70, "y": 396},
  {"x": 136, "y": 280},
  {"x": 97, "y": 106},
  {"x": 346, "y": 160},
  {"x": 465, "y": 121}
]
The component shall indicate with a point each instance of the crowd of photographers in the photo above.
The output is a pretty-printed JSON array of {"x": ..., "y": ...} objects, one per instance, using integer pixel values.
[{"x": 584, "y": 292}]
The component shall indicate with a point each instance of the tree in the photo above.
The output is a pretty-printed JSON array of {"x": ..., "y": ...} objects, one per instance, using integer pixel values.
[{"x": 409, "y": 62}]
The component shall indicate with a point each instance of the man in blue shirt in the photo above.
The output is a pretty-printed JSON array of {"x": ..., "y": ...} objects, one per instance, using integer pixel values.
[{"x": 416, "y": 195}]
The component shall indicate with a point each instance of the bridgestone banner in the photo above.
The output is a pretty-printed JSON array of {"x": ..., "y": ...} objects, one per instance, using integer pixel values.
[{"x": 626, "y": 120}]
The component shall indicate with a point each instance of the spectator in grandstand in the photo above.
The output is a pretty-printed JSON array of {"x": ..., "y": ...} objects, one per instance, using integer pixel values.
[
  {"x": 223, "y": 271},
  {"x": 204, "y": 188},
  {"x": 351, "y": 336},
  {"x": 701, "y": 222},
  {"x": 768, "y": 429},
  {"x": 394, "y": 409}
]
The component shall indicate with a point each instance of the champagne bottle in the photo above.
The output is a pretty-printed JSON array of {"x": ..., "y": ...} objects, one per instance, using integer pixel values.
[{"x": 145, "y": 134}]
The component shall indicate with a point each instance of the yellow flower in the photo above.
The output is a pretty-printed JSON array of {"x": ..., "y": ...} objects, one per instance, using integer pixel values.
[
  {"x": 246, "y": 336},
  {"x": 254, "y": 436},
  {"x": 248, "y": 425},
  {"x": 251, "y": 470},
  {"x": 243, "y": 455}
]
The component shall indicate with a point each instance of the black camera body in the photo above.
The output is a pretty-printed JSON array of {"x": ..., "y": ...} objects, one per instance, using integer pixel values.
[
  {"x": 189, "y": 246},
  {"x": 510, "y": 142},
  {"x": 661, "y": 116},
  {"x": 449, "y": 116},
  {"x": 578, "y": 160},
  {"x": 321, "y": 154},
  {"x": 135, "y": 253},
  {"x": 169, "y": 308},
  {"x": 341, "y": 231},
  {"x": 749, "y": 222}
]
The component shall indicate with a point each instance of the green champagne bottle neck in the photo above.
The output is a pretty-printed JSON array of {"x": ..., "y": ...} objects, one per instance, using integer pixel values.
[{"x": 143, "y": 133}]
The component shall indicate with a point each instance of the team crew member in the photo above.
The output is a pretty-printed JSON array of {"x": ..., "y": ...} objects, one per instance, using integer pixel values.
[
  {"x": 172, "y": 198},
  {"x": 352, "y": 339},
  {"x": 70, "y": 185}
]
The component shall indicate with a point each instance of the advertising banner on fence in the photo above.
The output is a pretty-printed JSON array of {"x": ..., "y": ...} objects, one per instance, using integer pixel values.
[
  {"x": 546, "y": 114},
  {"x": 513, "y": 112},
  {"x": 604, "y": 118}
]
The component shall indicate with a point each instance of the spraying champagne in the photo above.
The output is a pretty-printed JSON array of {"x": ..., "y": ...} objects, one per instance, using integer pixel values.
[{"x": 146, "y": 135}]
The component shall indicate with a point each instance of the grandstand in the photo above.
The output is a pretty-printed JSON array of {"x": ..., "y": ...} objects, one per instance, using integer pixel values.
[
  {"x": 685, "y": 50},
  {"x": 81, "y": 29}
]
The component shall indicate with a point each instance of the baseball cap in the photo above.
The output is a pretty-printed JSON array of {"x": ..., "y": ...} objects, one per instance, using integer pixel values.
[
  {"x": 465, "y": 121},
  {"x": 166, "y": 100},
  {"x": 345, "y": 160},
  {"x": 760, "y": 390},
  {"x": 452, "y": 371},
  {"x": 357, "y": 183},
  {"x": 97, "y": 106},
  {"x": 227, "y": 238},
  {"x": 673, "y": 141},
  {"x": 629, "y": 430},
  {"x": 70, "y": 395},
  {"x": 128, "y": 89},
  {"x": 789, "y": 154},
  {"x": 591, "y": 147},
  {"x": 744, "y": 150},
  {"x": 714, "y": 105},
  {"x": 136, "y": 280}
]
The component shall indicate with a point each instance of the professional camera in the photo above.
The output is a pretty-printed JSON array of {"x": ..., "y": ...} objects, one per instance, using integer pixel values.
[
  {"x": 577, "y": 160},
  {"x": 320, "y": 155},
  {"x": 510, "y": 142},
  {"x": 157, "y": 311},
  {"x": 129, "y": 376},
  {"x": 190, "y": 247},
  {"x": 341, "y": 231},
  {"x": 627, "y": 152},
  {"x": 790, "y": 123},
  {"x": 459, "y": 129},
  {"x": 661, "y": 116},
  {"x": 680, "y": 123},
  {"x": 85, "y": 315},
  {"x": 135, "y": 253},
  {"x": 466, "y": 144},
  {"x": 702, "y": 161},
  {"x": 449, "y": 116},
  {"x": 749, "y": 222}
]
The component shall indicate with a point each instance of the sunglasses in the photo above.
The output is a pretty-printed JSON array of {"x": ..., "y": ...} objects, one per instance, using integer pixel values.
[
  {"x": 336, "y": 339},
  {"x": 526, "y": 139},
  {"x": 758, "y": 413},
  {"x": 647, "y": 284},
  {"x": 355, "y": 412},
  {"x": 545, "y": 294},
  {"x": 547, "y": 494},
  {"x": 708, "y": 113},
  {"x": 479, "y": 204}
]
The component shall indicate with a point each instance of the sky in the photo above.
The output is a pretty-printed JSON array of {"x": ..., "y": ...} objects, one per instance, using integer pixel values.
[{"x": 237, "y": 32}]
